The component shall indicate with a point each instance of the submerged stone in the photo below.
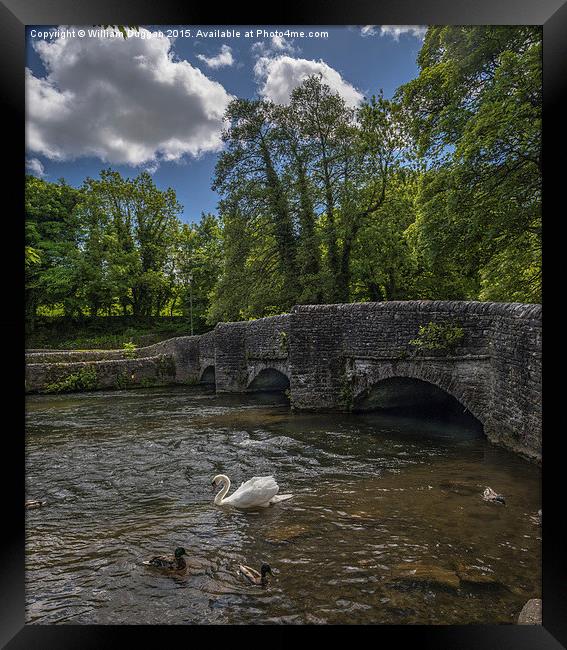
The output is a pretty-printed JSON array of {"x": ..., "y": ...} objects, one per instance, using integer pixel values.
[
  {"x": 458, "y": 488},
  {"x": 426, "y": 573},
  {"x": 476, "y": 574},
  {"x": 285, "y": 534}
]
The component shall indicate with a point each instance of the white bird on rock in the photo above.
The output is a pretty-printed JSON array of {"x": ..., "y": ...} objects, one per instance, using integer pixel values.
[
  {"x": 258, "y": 492},
  {"x": 490, "y": 495}
]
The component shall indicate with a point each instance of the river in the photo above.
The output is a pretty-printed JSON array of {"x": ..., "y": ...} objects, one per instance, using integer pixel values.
[{"x": 387, "y": 524}]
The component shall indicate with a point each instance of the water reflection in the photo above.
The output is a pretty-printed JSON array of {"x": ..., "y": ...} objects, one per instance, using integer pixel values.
[{"x": 387, "y": 524}]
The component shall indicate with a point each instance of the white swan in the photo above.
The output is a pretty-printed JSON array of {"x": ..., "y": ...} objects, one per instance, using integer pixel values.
[{"x": 258, "y": 492}]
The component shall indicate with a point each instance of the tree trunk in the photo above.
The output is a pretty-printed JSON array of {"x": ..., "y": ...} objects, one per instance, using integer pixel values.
[
  {"x": 284, "y": 235},
  {"x": 308, "y": 254},
  {"x": 374, "y": 291},
  {"x": 331, "y": 236}
]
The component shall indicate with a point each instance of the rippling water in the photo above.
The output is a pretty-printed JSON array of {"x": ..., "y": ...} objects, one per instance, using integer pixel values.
[{"x": 387, "y": 524}]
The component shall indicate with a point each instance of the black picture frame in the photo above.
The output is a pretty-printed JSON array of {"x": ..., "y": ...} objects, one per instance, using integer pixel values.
[{"x": 14, "y": 16}]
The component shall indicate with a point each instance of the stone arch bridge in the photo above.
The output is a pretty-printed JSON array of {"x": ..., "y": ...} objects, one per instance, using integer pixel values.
[{"x": 329, "y": 357}]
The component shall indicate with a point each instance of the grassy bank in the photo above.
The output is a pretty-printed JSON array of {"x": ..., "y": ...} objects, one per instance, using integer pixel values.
[{"x": 104, "y": 333}]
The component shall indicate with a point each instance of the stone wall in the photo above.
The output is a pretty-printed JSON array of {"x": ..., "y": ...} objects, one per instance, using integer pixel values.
[
  {"x": 514, "y": 414},
  {"x": 231, "y": 371},
  {"x": 69, "y": 356},
  {"x": 116, "y": 368},
  {"x": 116, "y": 374}
]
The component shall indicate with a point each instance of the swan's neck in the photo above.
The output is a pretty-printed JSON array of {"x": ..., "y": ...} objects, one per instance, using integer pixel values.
[{"x": 226, "y": 487}]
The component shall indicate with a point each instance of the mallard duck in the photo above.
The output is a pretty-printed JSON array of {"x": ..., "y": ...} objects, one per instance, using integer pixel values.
[
  {"x": 175, "y": 563},
  {"x": 256, "y": 577},
  {"x": 490, "y": 495},
  {"x": 258, "y": 492},
  {"x": 34, "y": 503}
]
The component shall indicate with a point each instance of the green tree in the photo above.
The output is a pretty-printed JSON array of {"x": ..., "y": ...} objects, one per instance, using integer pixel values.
[
  {"x": 130, "y": 230},
  {"x": 384, "y": 266},
  {"x": 476, "y": 113},
  {"x": 51, "y": 239},
  {"x": 198, "y": 267},
  {"x": 249, "y": 171},
  {"x": 353, "y": 154},
  {"x": 325, "y": 124},
  {"x": 249, "y": 285},
  {"x": 294, "y": 149},
  {"x": 299, "y": 182}
]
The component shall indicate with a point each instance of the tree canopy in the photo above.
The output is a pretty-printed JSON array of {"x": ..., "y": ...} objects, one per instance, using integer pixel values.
[{"x": 434, "y": 193}]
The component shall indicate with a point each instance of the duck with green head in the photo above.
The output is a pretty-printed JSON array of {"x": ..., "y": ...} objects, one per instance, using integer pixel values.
[
  {"x": 167, "y": 563},
  {"x": 257, "y": 577}
]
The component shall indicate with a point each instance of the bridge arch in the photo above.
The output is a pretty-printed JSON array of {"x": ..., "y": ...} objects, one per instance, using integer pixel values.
[
  {"x": 208, "y": 375},
  {"x": 431, "y": 384},
  {"x": 268, "y": 379}
]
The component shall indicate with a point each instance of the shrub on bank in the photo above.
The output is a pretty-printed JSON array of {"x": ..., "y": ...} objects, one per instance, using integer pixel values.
[{"x": 84, "y": 379}]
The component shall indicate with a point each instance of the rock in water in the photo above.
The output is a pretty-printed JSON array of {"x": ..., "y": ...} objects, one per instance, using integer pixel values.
[
  {"x": 426, "y": 573},
  {"x": 285, "y": 534},
  {"x": 531, "y": 613}
]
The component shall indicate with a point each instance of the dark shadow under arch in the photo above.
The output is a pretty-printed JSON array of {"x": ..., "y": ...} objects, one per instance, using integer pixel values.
[
  {"x": 269, "y": 379},
  {"x": 411, "y": 396},
  {"x": 208, "y": 376}
]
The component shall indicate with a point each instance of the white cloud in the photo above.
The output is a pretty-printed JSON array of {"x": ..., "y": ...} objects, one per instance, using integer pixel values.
[
  {"x": 280, "y": 75},
  {"x": 123, "y": 101},
  {"x": 276, "y": 45},
  {"x": 281, "y": 44},
  {"x": 395, "y": 31},
  {"x": 368, "y": 30},
  {"x": 222, "y": 59},
  {"x": 35, "y": 167}
]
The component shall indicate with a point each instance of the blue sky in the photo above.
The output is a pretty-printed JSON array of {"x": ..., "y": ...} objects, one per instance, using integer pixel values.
[{"x": 156, "y": 103}]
